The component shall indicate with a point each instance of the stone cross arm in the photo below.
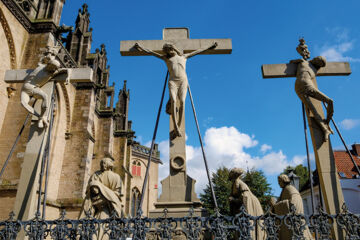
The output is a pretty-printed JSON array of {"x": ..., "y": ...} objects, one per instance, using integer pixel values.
[
  {"x": 180, "y": 38},
  {"x": 77, "y": 75},
  {"x": 187, "y": 45},
  {"x": 289, "y": 70}
]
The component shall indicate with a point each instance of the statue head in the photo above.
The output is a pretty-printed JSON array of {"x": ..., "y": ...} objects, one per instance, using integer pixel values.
[
  {"x": 235, "y": 173},
  {"x": 170, "y": 50},
  {"x": 49, "y": 54},
  {"x": 319, "y": 61},
  {"x": 302, "y": 49},
  {"x": 53, "y": 65},
  {"x": 106, "y": 164},
  {"x": 283, "y": 180}
]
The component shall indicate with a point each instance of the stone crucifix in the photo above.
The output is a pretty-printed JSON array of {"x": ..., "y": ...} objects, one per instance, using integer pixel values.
[
  {"x": 305, "y": 71},
  {"x": 174, "y": 49},
  {"x": 39, "y": 83},
  {"x": 178, "y": 82}
]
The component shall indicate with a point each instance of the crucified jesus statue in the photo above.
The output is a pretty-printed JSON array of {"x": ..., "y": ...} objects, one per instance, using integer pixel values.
[
  {"x": 178, "y": 81},
  {"x": 305, "y": 88},
  {"x": 46, "y": 70}
]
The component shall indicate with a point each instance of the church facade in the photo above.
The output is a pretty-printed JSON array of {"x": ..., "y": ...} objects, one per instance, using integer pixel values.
[{"x": 87, "y": 125}]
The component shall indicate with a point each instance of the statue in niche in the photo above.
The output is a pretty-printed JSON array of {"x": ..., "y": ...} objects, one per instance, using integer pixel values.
[
  {"x": 48, "y": 67},
  {"x": 178, "y": 81},
  {"x": 289, "y": 196},
  {"x": 103, "y": 195},
  {"x": 305, "y": 88},
  {"x": 241, "y": 195}
]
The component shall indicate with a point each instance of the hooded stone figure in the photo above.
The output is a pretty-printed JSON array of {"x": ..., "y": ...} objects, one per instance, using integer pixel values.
[
  {"x": 289, "y": 196},
  {"x": 242, "y": 196},
  {"x": 103, "y": 194}
]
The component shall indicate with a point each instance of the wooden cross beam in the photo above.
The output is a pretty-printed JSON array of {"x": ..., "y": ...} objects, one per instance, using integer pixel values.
[
  {"x": 179, "y": 37},
  {"x": 324, "y": 156}
]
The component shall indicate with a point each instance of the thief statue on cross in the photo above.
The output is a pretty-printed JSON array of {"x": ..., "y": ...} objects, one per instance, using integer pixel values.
[
  {"x": 305, "y": 88},
  {"x": 178, "y": 81},
  {"x": 48, "y": 67}
]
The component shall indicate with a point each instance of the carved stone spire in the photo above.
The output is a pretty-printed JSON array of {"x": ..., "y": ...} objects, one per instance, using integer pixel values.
[
  {"x": 122, "y": 109},
  {"x": 50, "y": 10},
  {"x": 79, "y": 41},
  {"x": 83, "y": 19}
]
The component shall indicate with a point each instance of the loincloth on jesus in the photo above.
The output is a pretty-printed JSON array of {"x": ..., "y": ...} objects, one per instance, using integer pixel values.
[{"x": 178, "y": 88}]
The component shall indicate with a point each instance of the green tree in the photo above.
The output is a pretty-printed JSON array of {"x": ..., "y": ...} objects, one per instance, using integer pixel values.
[
  {"x": 258, "y": 185},
  {"x": 222, "y": 188},
  {"x": 301, "y": 171}
]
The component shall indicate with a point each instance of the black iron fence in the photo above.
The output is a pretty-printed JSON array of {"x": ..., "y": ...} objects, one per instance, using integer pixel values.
[{"x": 241, "y": 226}]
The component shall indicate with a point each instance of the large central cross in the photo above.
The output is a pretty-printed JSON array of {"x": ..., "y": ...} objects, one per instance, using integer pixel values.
[
  {"x": 27, "y": 191},
  {"x": 325, "y": 162},
  {"x": 178, "y": 189}
]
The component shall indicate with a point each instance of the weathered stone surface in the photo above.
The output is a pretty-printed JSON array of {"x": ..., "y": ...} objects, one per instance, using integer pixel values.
[
  {"x": 177, "y": 209},
  {"x": 289, "y": 196},
  {"x": 175, "y": 49},
  {"x": 241, "y": 196},
  {"x": 307, "y": 90},
  {"x": 289, "y": 70},
  {"x": 179, "y": 37},
  {"x": 77, "y": 75},
  {"x": 186, "y": 45},
  {"x": 103, "y": 195},
  {"x": 26, "y": 196}
]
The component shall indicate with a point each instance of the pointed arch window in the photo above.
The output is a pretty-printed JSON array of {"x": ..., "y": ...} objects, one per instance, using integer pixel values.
[
  {"x": 135, "y": 201},
  {"x": 136, "y": 168}
]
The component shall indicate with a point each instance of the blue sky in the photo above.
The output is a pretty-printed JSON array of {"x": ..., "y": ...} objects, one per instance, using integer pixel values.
[{"x": 245, "y": 120}]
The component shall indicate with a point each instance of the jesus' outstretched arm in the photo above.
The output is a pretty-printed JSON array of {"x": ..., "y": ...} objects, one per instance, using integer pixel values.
[
  {"x": 189, "y": 55},
  {"x": 140, "y": 48}
]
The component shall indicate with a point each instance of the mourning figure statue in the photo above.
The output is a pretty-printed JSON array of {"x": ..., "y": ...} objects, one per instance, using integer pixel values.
[
  {"x": 289, "y": 196},
  {"x": 242, "y": 196},
  {"x": 103, "y": 195}
]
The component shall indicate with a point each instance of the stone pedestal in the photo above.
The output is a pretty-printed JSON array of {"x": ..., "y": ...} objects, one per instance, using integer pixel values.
[{"x": 178, "y": 189}]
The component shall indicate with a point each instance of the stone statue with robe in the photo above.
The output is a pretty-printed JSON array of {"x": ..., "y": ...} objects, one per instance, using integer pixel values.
[
  {"x": 241, "y": 195},
  {"x": 289, "y": 196},
  {"x": 103, "y": 195}
]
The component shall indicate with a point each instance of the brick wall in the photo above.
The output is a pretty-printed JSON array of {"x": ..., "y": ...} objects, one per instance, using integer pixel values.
[{"x": 79, "y": 148}]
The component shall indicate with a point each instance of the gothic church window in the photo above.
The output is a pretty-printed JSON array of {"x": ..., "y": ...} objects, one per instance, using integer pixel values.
[
  {"x": 135, "y": 200},
  {"x": 136, "y": 168}
]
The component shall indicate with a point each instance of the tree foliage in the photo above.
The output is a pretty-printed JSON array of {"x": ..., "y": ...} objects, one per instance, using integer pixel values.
[
  {"x": 222, "y": 188},
  {"x": 258, "y": 186}
]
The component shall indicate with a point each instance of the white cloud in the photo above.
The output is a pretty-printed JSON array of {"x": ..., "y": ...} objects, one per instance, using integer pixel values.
[
  {"x": 348, "y": 124},
  {"x": 147, "y": 144},
  {"x": 337, "y": 52},
  {"x": 340, "y": 34},
  {"x": 227, "y": 146},
  {"x": 298, "y": 159},
  {"x": 265, "y": 147}
]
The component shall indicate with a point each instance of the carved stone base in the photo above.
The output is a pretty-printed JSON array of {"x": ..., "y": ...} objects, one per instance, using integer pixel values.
[
  {"x": 178, "y": 209},
  {"x": 178, "y": 188}
]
